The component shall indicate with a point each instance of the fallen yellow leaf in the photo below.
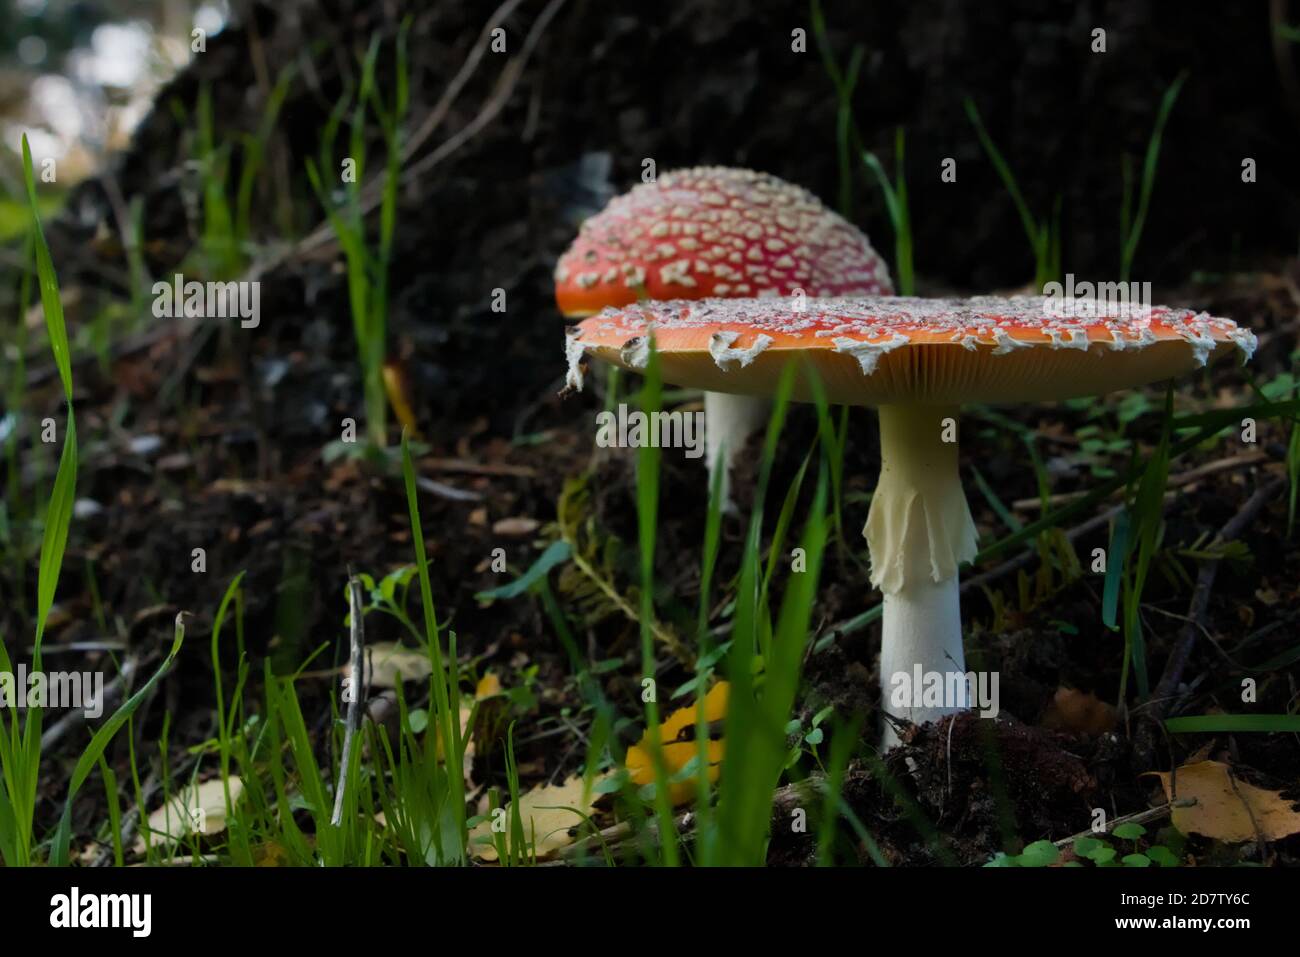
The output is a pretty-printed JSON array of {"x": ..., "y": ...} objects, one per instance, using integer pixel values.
[
  {"x": 549, "y": 814},
  {"x": 195, "y": 810},
  {"x": 388, "y": 662},
  {"x": 1227, "y": 809},
  {"x": 678, "y": 745}
]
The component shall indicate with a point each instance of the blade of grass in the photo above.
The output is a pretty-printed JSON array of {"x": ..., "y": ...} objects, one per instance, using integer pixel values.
[
  {"x": 647, "y": 513},
  {"x": 1116, "y": 560},
  {"x": 444, "y": 679},
  {"x": 1232, "y": 723},
  {"x": 1131, "y": 230},
  {"x": 100, "y": 740},
  {"x": 895, "y": 195}
]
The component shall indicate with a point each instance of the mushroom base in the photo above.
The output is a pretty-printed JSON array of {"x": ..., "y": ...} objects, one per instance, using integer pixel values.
[
  {"x": 729, "y": 422},
  {"x": 922, "y": 665}
]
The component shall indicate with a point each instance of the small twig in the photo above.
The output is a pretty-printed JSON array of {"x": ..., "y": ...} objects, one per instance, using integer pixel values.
[
  {"x": 495, "y": 103},
  {"x": 1230, "y": 463},
  {"x": 1138, "y": 817},
  {"x": 1250, "y": 813},
  {"x": 443, "y": 490},
  {"x": 358, "y": 637},
  {"x": 112, "y": 692},
  {"x": 322, "y": 238},
  {"x": 107, "y": 644},
  {"x": 480, "y": 468},
  {"x": 1029, "y": 554},
  {"x": 130, "y": 823}
]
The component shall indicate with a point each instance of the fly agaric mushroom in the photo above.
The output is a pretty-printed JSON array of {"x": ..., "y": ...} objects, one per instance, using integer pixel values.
[
  {"x": 917, "y": 360},
  {"x": 715, "y": 231}
]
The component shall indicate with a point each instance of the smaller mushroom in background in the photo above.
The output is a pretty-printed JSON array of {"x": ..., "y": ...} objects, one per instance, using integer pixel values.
[
  {"x": 716, "y": 232},
  {"x": 917, "y": 361}
]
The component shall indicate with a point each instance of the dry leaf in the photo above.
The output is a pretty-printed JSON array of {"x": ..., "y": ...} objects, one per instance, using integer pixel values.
[
  {"x": 549, "y": 814},
  {"x": 1079, "y": 711},
  {"x": 387, "y": 661},
  {"x": 515, "y": 527},
  {"x": 1267, "y": 595},
  {"x": 1225, "y": 806},
  {"x": 195, "y": 810},
  {"x": 678, "y": 745}
]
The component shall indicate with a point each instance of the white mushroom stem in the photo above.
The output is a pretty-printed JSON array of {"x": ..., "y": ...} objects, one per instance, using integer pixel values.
[
  {"x": 919, "y": 530},
  {"x": 729, "y": 421}
]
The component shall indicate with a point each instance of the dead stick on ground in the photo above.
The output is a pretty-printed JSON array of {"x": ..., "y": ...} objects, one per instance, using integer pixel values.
[
  {"x": 1029, "y": 554},
  {"x": 1231, "y": 463},
  {"x": 479, "y": 468},
  {"x": 322, "y": 238},
  {"x": 112, "y": 693},
  {"x": 354, "y": 692},
  {"x": 1139, "y": 817},
  {"x": 1163, "y": 693}
]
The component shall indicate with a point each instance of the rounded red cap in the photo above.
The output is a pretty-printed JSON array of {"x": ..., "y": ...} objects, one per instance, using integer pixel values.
[{"x": 715, "y": 232}]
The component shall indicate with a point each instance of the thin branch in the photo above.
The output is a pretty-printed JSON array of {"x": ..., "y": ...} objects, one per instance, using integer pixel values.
[
  {"x": 113, "y": 692},
  {"x": 323, "y": 238},
  {"x": 1138, "y": 817},
  {"x": 1229, "y": 464}
]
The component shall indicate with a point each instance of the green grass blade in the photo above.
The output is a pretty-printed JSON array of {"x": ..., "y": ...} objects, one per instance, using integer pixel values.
[
  {"x": 1116, "y": 560},
  {"x": 1231, "y": 723},
  {"x": 755, "y": 729},
  {"x": 647, "y": 513},
  {"x": 58, "y": 518},
  {"x": 51, "y": 303},
  {"x": 1032, "y": 229},
  {"x": 444, "y": 687},
  {"x": 1133, "y": 233},
  {"x": 995, "y": 503},
  {"x": 100, "y": 740}
]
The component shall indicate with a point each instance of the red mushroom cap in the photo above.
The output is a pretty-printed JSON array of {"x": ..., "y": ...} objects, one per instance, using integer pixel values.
[
  {"x": 892, "y": 349},
  {"x": 715, "y": 232}
]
